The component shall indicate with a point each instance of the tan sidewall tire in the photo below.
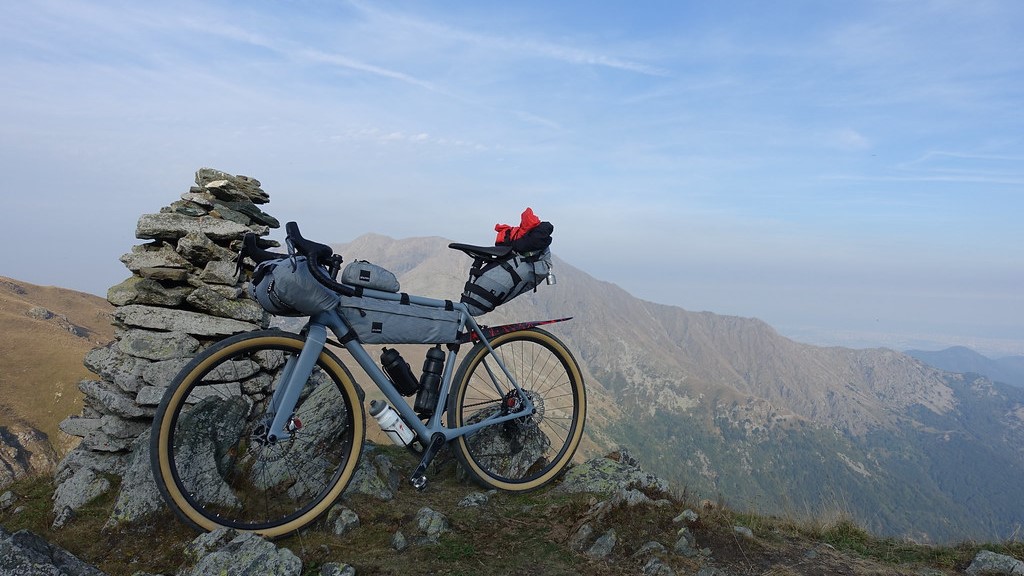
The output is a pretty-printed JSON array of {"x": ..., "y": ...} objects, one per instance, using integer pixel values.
[
  {"x": 348, "y": 390},
  {"x": 537, "y": 335}
]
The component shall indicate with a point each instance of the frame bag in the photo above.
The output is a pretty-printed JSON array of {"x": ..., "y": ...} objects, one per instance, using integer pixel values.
[{"x": 378, "y": 321}]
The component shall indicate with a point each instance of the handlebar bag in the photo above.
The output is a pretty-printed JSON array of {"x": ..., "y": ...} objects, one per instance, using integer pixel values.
[
  {"x": 286, "y": 287},
  {"x": 367, "y": 275},
  {"x": 379, "y": 321},
  {"x": 495, "y": 283}
]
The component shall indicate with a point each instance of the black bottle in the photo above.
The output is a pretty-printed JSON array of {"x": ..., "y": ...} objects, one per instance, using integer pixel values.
[
  {"x": 399, "y": 371},
  {"x": 430, "y": 382}
]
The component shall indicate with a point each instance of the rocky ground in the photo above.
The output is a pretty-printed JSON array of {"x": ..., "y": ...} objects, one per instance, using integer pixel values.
[{"x": 606, "y": 517}]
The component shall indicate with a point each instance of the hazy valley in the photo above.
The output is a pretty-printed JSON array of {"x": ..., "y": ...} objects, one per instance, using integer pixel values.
[{"x": 730, "y": 409}]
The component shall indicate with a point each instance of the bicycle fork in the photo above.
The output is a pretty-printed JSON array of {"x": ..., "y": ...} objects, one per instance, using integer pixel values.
[{"x": 293, "y": 379}]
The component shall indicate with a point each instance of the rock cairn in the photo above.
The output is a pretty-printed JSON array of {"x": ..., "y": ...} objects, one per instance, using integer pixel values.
[{"x": 182, "y": 296}]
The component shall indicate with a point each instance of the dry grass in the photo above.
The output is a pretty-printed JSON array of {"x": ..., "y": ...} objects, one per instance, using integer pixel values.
[{"x": 41, "y": 362}]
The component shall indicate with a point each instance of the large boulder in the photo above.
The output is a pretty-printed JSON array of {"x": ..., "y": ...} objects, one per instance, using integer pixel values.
[
  {"x": 987, "y": 563},
  {"x": 615, "y": 473},
  {"x": 229, "y": 553},
  {"x": 24, "y": 451},
  {"x": 509, "y": 449},
  {"x": 26, "y": 553}
]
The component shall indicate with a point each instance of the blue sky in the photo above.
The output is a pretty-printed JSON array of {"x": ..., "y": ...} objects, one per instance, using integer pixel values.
[{"x": 849, "y": 172}]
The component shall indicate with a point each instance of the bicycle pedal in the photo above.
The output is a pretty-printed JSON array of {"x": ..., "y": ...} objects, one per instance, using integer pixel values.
[{"x": 419, "y": 482}]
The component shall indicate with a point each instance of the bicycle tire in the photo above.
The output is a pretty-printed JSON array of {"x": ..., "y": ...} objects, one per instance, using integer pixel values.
[
  {"x": 523, "y": 454},
  {"x": 208, "y": 461}
]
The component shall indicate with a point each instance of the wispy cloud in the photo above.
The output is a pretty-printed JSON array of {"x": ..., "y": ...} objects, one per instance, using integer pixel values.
[
  {"x": 572, "y": 55},
  {"x": 942, "y": 158},
  {"x": 519, "y": 45},
  {"x": 850, "y": 139},
  {"x": 313, "y": 55},
  {"x": 386, "y": 137},
  {"x": 965, "y": 167},
  {"x": 950, "y": 178},
  {"x": 941, "y": 166}
]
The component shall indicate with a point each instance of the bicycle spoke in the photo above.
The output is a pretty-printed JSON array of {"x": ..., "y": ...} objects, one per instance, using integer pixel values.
[
  {"x": 528, "y": 451},
  {"x": 493, "y": 378}
]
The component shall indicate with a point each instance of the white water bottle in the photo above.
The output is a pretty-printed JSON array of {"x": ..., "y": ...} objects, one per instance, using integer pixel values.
[{"x": 391, "y": 423}]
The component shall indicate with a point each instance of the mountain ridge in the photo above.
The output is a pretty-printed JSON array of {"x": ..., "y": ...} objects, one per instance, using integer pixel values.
[
  {"x": 758, "y": 356},
  {"x": 961, "y": 359},
  {"x": 770, "y": 422}
]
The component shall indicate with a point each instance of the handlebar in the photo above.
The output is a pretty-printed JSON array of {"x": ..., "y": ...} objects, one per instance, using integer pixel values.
[
  {"x": 318, "y": 257},
  {"x": 315, "y": 253},
  {"x": 307, "y": 248},
  {"x": 251, "y": 249}
]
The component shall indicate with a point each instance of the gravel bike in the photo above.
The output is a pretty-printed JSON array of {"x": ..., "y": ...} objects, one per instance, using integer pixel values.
[{"x": 263, "y": 430}]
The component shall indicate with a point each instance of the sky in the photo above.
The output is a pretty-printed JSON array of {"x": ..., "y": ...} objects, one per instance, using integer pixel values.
[{"x": 851, "y": 173}]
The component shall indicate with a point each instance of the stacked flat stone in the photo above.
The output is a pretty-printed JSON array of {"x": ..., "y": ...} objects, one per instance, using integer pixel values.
[{"x": 182, "y": 296}]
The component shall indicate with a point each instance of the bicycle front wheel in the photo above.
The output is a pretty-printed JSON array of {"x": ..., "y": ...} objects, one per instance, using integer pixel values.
[
  {"x": 528, "y": 452},
  {"x": 209, "y": 450}
]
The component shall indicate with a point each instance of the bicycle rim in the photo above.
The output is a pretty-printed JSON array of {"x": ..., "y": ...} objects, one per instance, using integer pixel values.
[
  {"x": 525, "y": 453},
  {"x": 211, "y": 459}
]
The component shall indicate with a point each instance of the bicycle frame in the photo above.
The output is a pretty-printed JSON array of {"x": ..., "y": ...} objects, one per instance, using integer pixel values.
[
  {"x": 228, "y": 447},
  {"x": 298, "y": 371}
]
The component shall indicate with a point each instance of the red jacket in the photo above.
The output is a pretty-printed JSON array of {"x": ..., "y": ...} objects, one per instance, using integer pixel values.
[{"x": 507, "y": 233}]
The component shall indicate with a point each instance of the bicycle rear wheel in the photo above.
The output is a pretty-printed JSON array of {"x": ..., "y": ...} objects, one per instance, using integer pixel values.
[
  {"x": 211, "y": 459},
  {"x": 525, "y": 453}
]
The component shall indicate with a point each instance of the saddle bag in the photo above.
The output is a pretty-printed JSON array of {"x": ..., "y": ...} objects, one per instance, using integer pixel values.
[
  {"x": 378, "y": 321},
  {"x": 286, "y": 287},
  {"x": 494, "y": 283}
]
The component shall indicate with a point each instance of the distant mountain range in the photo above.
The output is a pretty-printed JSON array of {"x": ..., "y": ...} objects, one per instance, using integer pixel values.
[
  {"x": 1009, "y": 370},
  {"x": 727, "y": 409}
]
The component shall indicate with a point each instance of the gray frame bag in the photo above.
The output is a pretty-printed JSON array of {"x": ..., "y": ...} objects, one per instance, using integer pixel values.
[{"x": 379, "y": 321}]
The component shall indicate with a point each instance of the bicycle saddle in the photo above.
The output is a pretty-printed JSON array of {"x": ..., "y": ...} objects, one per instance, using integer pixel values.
[{"x": 483, "y": 252}]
